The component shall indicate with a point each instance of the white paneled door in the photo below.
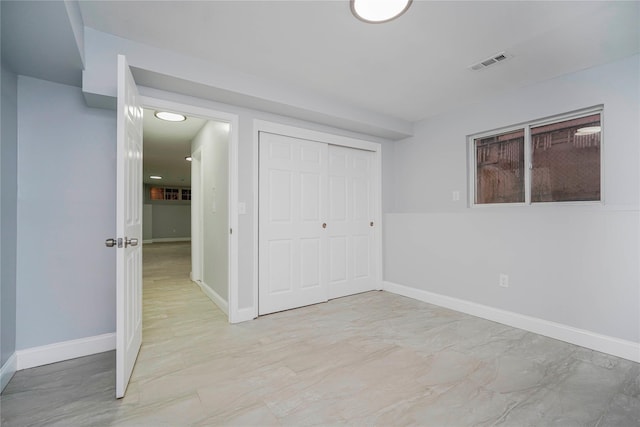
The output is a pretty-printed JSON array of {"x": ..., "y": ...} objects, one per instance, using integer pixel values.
[
  {"x": 351, "y": 222},
  {"x": 293, "y": 238},
  {"x": 128, "y": 227},
  {"x": 316, "y": 213}
]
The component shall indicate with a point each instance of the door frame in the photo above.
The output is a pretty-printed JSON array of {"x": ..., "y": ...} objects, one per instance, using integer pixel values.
[
  {"x": 196, "y": 216},
  {"x": 233, "y": 121},
  {"x": 331, "y": 139}
]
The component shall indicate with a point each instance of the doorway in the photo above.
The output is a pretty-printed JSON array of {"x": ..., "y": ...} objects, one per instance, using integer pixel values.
[{"x": 186, "y": 175}]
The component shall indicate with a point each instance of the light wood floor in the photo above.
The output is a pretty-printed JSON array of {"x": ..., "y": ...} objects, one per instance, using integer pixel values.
[{"x": 370, "y": 359}]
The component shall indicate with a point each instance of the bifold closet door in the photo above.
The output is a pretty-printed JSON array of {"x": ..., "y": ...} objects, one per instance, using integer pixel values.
[
  {"x": 292, "y": 210},
  {"x": 351, "y": 222}
]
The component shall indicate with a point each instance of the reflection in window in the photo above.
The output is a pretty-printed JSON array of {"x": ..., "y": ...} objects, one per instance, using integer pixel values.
[
  {"x": 566, "y": 160},
  {"x": 500, "y": 168}
]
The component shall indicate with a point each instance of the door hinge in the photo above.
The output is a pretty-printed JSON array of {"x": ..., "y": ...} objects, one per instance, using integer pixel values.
[{"x": 231, "y": 231}]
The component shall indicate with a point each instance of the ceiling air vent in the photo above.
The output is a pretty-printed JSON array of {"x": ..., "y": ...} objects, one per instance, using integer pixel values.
[{"x": 490, "y": 61}]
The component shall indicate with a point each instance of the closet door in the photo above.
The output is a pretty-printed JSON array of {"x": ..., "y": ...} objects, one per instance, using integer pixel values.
[
  {"x": 292, "y": 240},
  {"x": 351, "y": 227}
]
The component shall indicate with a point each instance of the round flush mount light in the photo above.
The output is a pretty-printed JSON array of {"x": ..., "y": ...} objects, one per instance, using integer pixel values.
[
  {"x": 169, "y": 117},
  {"x": 378, "y": 11},
  {"x": 188, "y": 158},
  {"x": 589, "y": 130},
  {"x": 155, "y": 177}
]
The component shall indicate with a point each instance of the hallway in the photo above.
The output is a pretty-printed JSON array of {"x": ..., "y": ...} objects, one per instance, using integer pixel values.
[{"x": 370, "y": 359}]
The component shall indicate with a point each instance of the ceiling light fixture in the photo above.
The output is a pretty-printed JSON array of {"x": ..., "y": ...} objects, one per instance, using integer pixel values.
[
  {"x": 155, "y": 177},
  {"x": 589, "y": 130},
  {"x": 188, "y": 158},
  {"x": 378, "y": 11},
  {"x": 170, "y": 117}
]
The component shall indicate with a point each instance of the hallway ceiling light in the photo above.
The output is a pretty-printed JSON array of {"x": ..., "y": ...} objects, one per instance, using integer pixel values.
[
  {"x": 155, "y": 177},
  {"x": 589, "y": 130},
  {"x": 378, "y": 11},
  {"x": 170, "y": 117},
  {"x": 188, "y": 158}
]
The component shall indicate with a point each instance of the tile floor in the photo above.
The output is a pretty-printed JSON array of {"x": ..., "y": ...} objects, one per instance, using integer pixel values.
[{"x": 370, "y": 359}]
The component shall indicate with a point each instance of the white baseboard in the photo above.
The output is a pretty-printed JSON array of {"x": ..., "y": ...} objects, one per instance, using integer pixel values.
[
  {"x": 213, "y": 296},
  {"x": 615, "y": 346},
  {"x": 8, "y": 369},
  {"x": 52, "y": 353},
  {"x": 168, "y": 239}
]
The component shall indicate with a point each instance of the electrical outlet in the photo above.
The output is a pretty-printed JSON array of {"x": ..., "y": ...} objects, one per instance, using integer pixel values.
[
  {"x": 503, "y": 281},
  {"x": 455, "y": 196}
]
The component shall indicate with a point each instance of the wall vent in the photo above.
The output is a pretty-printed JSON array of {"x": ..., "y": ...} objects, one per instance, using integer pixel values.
[{"x": 494, "y": 59}]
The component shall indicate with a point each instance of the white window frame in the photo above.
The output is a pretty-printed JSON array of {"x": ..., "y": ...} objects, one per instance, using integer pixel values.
[{"x": 528, "y": 158}]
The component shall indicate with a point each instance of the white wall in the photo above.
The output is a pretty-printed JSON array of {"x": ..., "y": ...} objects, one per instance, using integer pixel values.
[
  {"x": 213, "y": 141},
  {"x": 575, "y": 265},
  {"x": 66, "y": 209}
]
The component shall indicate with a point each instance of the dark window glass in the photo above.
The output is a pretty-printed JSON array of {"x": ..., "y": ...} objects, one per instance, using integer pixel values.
[
  {"x": 500, "y": 168},
  {"x": 566, "y": 160}
]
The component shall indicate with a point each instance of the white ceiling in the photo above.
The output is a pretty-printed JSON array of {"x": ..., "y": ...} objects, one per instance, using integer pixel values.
[
  {"x": 411, "y": 68},
  {"x": 165, "y": 146}
]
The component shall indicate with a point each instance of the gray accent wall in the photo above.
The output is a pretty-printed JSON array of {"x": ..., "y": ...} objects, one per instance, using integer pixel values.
[
  {"x": 573, "y": 264},
  {"x": 8, "y": 212},
  {"x": 213, "y": 143},
  {"x": 169, "y": 218},
  {"x": 66, "y": 210}
]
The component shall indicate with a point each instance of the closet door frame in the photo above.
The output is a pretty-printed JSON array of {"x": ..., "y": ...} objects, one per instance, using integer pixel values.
[{"x": 327, "y": 138}]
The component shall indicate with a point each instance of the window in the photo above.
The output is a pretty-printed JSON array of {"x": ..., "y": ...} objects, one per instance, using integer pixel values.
[
  {"x": 163, "y": 193},
  {"x": 563, "y": 158},
  {"x": 566, "y": 160},
  {"x": 500, "y": 168}
]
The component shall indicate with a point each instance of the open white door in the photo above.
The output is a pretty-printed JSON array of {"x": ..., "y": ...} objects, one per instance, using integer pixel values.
[{"x": 128, "y": 227}]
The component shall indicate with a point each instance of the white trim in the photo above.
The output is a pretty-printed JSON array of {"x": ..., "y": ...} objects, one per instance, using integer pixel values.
[
  {"x": 214, "y": 296},
  {"x": 233, "y": 284},
  {"x": 57, "y": 352},
  {"x": 8, "y": 369},
  {"x": 234, "y": 130},
  {"x": 256, "y": 216},
  {"x": 168, "y": 239},
  {"x": 615, "y": 346},
  {"x": 147, "y": 242},
  {"x": 196, "y": 214},
  {"x": 312, "y": 135}
]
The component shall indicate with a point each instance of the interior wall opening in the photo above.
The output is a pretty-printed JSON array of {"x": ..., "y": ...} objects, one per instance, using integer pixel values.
[{"x": 186, "y": 206}]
